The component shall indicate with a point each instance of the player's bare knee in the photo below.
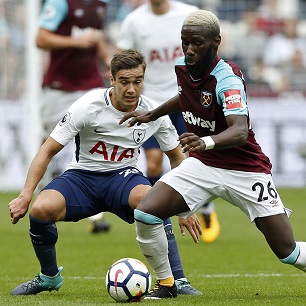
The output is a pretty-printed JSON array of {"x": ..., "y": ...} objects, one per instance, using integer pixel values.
[
  {"x": 42, "y": 211},
  {"x": 137, "y": 193}
]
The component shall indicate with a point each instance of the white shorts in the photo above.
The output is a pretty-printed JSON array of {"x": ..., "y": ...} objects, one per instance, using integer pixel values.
[
  {"x": 54, "y": 105},
  {"x": 254, "y": 193}
]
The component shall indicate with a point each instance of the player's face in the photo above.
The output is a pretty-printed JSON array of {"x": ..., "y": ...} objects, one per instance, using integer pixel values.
[
  {"x": 127, "y": 85},
  {"x": 200, "y": 50}
]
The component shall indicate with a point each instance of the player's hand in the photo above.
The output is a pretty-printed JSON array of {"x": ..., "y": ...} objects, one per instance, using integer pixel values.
[
  {"x": 191, "y": 143},
  {"x": 193, "y": 225},
  {"x": 89, "y": 39},
  {"x": 138, "y": 117},
  {"x": 18, "y": 208}
]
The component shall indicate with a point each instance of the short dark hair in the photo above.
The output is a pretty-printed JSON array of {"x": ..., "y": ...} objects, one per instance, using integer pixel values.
[{"x": 127, "y": 59}]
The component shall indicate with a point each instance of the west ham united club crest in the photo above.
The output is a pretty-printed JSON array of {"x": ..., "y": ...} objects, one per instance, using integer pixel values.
[
  {"x": 139, "y": 135},
  {"x": 206, "y": 98}
]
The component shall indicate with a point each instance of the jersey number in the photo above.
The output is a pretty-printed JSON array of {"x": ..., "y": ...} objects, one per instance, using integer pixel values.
[
  {"x": 271, "y": 191},
  {"x": 125, "y": 173}
]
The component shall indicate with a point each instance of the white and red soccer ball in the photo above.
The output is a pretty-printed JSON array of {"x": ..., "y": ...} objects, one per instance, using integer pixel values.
[{"x": 128, "y": 280}]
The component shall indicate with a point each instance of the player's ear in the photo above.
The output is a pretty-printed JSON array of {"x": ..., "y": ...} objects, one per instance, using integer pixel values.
[
  {"x": 217, "y": 40},
  {"x": 112, "y": 80}
]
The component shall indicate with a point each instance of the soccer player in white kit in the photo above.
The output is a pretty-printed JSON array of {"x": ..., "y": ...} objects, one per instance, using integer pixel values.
[
  {"x": 102, "y": 175},
  {"x": 70, "y": 31},
  {"x": 154, "y": 29}
]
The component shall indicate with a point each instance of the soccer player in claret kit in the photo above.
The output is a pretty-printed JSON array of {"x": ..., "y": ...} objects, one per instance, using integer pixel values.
[
  {"x": 102, "y": 175},
  {"x": 154, "y": 29},
  {"x": 224, "y": 158}
]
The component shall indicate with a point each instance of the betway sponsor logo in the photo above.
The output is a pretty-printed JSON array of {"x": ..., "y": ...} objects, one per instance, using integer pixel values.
[{"x": 191, "y": 119}]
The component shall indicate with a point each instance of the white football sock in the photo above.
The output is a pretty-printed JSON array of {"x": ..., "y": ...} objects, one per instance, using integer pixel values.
[
  {"x": 301, "y": 260},
  {"x": 153, "y": 243}
]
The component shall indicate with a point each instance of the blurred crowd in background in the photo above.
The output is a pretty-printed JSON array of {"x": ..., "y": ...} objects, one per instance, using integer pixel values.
[{"x": 266, "y": 38}]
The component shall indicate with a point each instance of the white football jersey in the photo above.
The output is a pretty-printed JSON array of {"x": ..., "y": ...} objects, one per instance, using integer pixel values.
[
  {"x": 158, "y": 38},
  {"x": 101, "y": 144}
]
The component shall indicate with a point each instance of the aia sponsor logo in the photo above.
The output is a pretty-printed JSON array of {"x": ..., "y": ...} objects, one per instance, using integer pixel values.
[
  {"x": 233, "y": 99},
  {"x": 206, "y": 98}
]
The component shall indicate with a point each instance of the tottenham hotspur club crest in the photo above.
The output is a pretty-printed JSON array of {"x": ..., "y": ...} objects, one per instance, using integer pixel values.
[{"x": 139, "y": 135}]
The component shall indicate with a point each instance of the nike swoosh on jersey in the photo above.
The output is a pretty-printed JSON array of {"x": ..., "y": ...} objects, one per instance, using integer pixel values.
[{"x": 99, "y": 131}]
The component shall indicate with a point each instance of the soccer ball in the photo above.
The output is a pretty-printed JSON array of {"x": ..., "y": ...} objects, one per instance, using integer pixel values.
[{"x": 127, "y": 280}]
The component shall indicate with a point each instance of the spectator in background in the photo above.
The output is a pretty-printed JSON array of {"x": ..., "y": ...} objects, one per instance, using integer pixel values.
[
  {"x": 295, "y": 73},
  {"x": 233, "y": 10},
  {"x": 4, "y": 39},
  {"x": 13, "y": 24},
  {"x": 265, "y": 80},
  {"x": 278, "y": 9},
  {"x": 281, "y": 46},
  {"x": 154, "y": 29},
  {"x": 254, "y": 40},
  {"x": 71, "y": 31}
]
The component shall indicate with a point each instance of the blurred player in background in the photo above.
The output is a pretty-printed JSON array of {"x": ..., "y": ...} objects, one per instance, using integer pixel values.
[
  {"x": 154, "y": 29},
  {"x": 102, "y": 175},
  {"x": 71, "y": 31}
]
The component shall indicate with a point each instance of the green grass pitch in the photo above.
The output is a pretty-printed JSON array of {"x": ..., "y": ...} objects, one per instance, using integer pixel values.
[{"x": 237, "y": 269}]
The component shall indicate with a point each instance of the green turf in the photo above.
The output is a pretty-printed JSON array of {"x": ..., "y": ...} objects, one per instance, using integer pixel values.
[{"x": 238, "y": 269}]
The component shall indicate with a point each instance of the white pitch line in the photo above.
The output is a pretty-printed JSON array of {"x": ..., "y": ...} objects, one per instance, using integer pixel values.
[{"x": 257, "y": 275}]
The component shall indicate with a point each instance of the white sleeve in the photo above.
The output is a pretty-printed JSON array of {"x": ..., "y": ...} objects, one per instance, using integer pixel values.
[
  {"x": 166, "y": 135},
  {"x": 71, "y": 124}
]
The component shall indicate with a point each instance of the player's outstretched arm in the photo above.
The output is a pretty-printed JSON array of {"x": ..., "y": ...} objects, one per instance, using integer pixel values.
[
  {"x": 136, "y": 117},
  {"x": 19, "y": 206}
]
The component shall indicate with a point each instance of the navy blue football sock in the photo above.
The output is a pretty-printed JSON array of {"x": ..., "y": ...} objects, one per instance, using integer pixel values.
[
  {"x": 44, "y": 236},
  {"x": 173, "y": 253}
]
